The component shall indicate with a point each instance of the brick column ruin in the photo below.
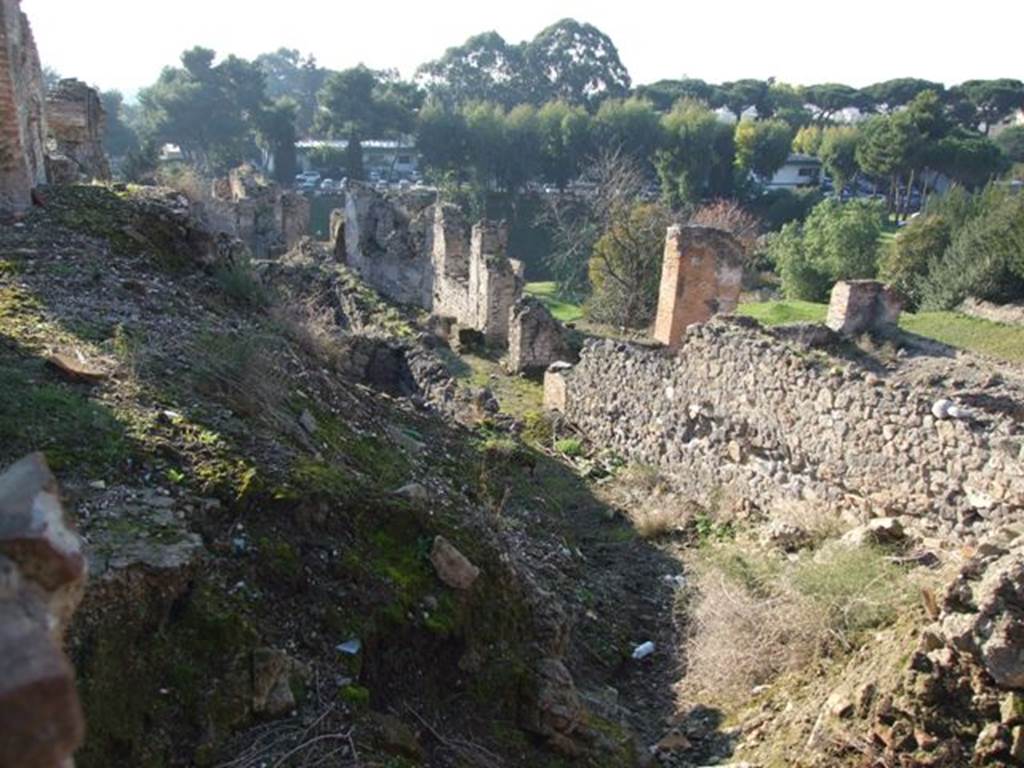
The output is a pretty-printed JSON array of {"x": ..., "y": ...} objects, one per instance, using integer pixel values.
[
  {"x": 22, "y": 118},
  {"x": 700, "y": 277},
  {"x": 860, "y": 306}
]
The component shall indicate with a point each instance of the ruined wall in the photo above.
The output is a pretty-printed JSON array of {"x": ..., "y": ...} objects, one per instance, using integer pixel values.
[
  {"x": 738, "y": 409},
  {"x": 248, "y": 206},
  {"x": 701, "y": 274},
  {"x": 862, "y": 306},
  {"x": 417, "y": 252},
  {"x": 386, "y": 243},
  {"x": 535, "y": 338},
  {"x": 76, "y": 123},
  {"x": 495, "y": 281},
  {"x": 22, "y": 118}
]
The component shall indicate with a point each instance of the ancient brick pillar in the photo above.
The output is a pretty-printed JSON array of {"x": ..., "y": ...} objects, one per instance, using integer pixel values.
[
  {"x": 494, "y": 281},
  {"x": 700, "y": 277},
  {"x": 859, "y": 306},
  {"x": 535, "y": 338},
  {"x": 22, "y": 119}
]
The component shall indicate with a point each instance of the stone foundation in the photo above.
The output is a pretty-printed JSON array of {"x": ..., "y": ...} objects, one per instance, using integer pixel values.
[
  {"x": 22, "y": 115},
  {"x": 700, "y": 277},
  {"x": 862, "y": 306}
]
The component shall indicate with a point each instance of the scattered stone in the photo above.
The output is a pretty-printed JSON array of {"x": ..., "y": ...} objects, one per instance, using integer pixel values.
[
  {"x": 272, "y": 674},
  {"x": 397, "y": 738},
  {"x": 75, "y": 369},
  {"x": 415, "y": 492},
  {"x": 452, "y": 566},
  {"x": 308, "y": 422},
  {"x": 881, "y": 531}
]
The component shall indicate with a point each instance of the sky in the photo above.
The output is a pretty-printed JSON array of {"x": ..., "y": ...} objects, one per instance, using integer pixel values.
[{"x": 124, "y": 44}]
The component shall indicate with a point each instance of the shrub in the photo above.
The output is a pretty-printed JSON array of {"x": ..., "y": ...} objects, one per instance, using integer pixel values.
[
  {"x": 985, "y": 260},
  {"x": 779, "y": 207},
  {"x": 756, "y": 615},
  {"x": 904, "y": 265},
  {"x": 239, "y": 370},
  {"x": 1011, "y": 141},
  {"x": 838, "y": 241},
  {"x": 240, "y": 283},
  {"x": 570, "y": 446}
]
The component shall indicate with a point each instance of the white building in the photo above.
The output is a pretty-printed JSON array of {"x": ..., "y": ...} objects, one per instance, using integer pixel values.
[{"x": 798, "y": 171}]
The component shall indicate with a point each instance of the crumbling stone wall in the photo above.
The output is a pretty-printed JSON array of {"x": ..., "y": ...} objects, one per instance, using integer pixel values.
[
  {"x": 248, "y": 206},
  {"x": 738, "y": 409},
  {"x": 42, "y": 577},
  {"x": 701, "y": 276},
  {"x": 76, "y": 123},
  {"x": 22, "y": 116},
  {"x": 535, "y": 338},
  {"x": 862, "y": 306},
  {"x": 421, "y": 253}
]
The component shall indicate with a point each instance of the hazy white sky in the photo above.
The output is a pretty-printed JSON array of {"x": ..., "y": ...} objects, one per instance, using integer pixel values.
[{"x": 124, "y": 43}]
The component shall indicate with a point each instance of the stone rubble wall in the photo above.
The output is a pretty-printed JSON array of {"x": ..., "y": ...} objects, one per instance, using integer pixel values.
[
  {"x": 76, "y": 122},
  {"x": 535, "y": 338},
  {"x": 22, "y": 113},
  {"x": 267, "y": 219},
  {"x": 736, "y": 409},
  {"x": 416, "y": 251}
]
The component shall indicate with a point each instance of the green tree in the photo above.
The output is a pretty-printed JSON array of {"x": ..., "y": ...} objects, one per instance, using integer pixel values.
[
  {"x": 905, "y": 263},
  {"x": 211, "y": 111},
  {"x": 664, "y": 94},
  {"x": 522, "y": 147},
  {"x": 484, "y": 68},
  {"x": 442, "y": 138},
  {"x": 688, "y": 159},
  {"x": 838, "y": 241},
  {"x": 299, "y": 78},
  {"x": 808, "y": 140},
  {"x": 1011, "y": 141},
  {"x": 993, "y": 100},
  {"x": 762, "y": 146},
  {"x": 276, "y": 135},
  {"x": 577, "y": 63},
  {"x": 361, "y": 103},
  {"x": 119, "y": 138},
  {"x": 625, "y": 268},
  {"x": 968, "y": 157},
  {"x": 630, "y": 125},
  {"x": 828, "y": 99},
  {"x": 985, "y": 259},
  {"x": 485, "y": 134},
  {"x": 741, "y": 95},
  {"x": 838, "y": 153},
  {"x": 890, "y": 95},
  {"x": 565, "y": 140}
]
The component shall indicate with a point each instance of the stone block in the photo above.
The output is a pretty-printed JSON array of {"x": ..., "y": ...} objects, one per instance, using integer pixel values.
[
  {"x": 861, "y": 306},
  {"x": 535, "y": 338},
  {"x": 555, "y": 389}
]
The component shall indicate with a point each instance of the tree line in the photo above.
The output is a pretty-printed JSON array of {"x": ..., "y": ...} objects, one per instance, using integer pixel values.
[{"x": 500, "y": 116}]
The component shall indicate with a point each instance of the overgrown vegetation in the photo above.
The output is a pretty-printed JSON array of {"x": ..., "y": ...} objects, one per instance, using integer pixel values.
[{"x": 756, "y": 615}]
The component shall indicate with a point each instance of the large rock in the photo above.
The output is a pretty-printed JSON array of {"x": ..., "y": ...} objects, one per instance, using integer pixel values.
[
  {"x": 453, "y": 568},
  {"x": 860, "y": 306},
  {"x": 42, "y": 575},
  {"x": 535, "y": 338}
]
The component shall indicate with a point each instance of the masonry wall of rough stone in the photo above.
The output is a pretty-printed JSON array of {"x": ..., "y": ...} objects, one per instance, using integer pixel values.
[
  {"x": 256, "y": 211},
  {"x": 737, "y": 409},
  {"x": 420, "y": 252},
  {"x": 22, "y": 117},
  {"x": 76, "y": 122},
  {"x": 535, "y": 338}
]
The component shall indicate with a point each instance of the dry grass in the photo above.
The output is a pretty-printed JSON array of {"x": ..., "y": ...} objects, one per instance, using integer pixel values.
[
  {"x": 311, "y": 325},
  {"x": 669, "y": 517},
  {"x": 238, "y": 369},
  {"x": 754, "y": 615},
  {"x": 819, "y": 523}
]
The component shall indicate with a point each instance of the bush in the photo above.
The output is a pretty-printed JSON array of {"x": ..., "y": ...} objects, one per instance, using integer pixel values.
[
  {"x": 985, "y": 260},
  {"x": 781, "y": 206},
  {"x": 905, "y": 264},
  {"x": 839, "y": 241},
  {"x": 1011, "y": 141},
  {"x": 757, "y": 615}
]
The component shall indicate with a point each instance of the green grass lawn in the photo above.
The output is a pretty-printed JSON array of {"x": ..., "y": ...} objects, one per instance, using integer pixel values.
[
  {"x": 1003, "y": 341},
  {"x": 548, "y": 295}
]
